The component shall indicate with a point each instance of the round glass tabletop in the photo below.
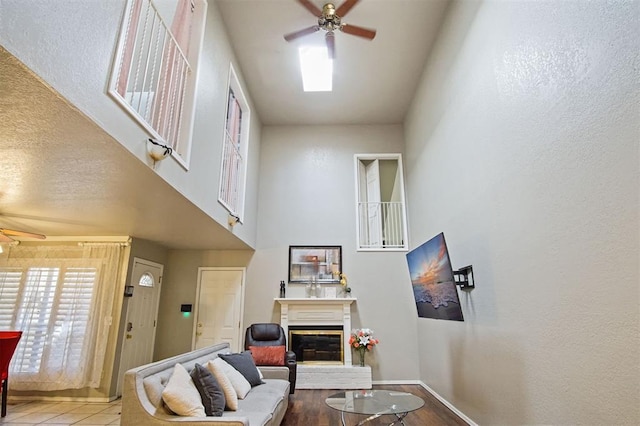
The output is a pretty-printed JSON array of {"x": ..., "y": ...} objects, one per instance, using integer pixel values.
[{"x": 378, "y": 402}]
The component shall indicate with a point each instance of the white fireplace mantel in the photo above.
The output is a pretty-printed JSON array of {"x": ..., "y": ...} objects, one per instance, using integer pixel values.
[{"x": 318, "y": 311}]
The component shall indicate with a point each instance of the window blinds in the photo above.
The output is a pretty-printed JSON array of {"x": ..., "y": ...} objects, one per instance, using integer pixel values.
[{"x": 63, "y": 308}]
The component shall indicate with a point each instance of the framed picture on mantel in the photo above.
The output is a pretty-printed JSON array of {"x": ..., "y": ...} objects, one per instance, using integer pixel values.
[{"x": 319, "y": 264}]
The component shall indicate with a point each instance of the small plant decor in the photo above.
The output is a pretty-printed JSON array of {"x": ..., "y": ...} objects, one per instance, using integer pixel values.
[
  {"x": 362, "y": 340},
  {"x": 343, "y": 283}
]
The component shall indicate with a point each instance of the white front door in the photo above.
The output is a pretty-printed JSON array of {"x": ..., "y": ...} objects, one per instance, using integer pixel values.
[
  {"x": 218, "y": 316},
  {"x": 141, "y": 317}
]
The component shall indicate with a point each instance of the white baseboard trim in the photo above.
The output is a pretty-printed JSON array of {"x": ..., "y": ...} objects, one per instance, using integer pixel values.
[
  {"x": 435, "y": 394},
  {"x": 449, "y": 405}
]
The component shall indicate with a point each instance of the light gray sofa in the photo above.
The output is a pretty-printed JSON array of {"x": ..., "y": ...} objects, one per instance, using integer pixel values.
[{"x": 142, "y": 403}]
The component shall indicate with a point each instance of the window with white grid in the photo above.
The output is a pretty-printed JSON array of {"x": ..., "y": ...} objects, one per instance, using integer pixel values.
[
  {"x": 234, "y": 149},
  {"x": 153, "y": 76},
  {"x": 61, "y": 298},
  {"x": 52, "y": 306}
]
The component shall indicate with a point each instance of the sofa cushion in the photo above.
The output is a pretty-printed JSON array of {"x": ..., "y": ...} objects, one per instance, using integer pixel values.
[
  {"x": 181, "y": 394},
  {"x": 153, "y": 387},
  {"x": 239, "y": 383},
  {"x": 210, "y": 391},
  {"x": 268, "y": 355},
  {"x": 263, "y": 402},
  {"x": 252, "y": 418},
  {"x": 277, "y": 386},
  {"x": 230, "y": 395},
  {"x": 243, "y": 362}
]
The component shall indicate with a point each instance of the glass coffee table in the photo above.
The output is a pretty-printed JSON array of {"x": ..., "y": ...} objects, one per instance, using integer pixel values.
[{"x": 375, "y": 403}]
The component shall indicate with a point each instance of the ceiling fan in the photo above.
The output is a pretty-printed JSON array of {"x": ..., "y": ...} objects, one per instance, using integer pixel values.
[
  {"x": 330, "y": 20},
  {"x": 7, "y": 234}
]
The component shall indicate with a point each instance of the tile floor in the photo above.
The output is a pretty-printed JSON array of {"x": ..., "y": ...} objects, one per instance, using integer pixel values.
[{"x": 62, "y": 413}]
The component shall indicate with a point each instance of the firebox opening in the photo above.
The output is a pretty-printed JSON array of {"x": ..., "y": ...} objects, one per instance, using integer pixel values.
[{"x": 317, "y": 344}]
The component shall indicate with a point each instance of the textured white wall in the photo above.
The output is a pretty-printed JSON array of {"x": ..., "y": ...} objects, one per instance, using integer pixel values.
[
  {"x": 175, "y": 331},
  {"x": 70, "y": 44},
  {"x": 522, "y": 146},
  {"x": 307, "y": 197}
]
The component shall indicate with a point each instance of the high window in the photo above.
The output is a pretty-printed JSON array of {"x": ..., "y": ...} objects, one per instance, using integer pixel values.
[
  {"x": 380, "y": 204},
  {"x": 153, "y": 76},
  {"x": 234, "y": 149}
]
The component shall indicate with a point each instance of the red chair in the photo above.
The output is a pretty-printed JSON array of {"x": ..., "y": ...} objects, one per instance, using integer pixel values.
[{"x": 8, "y": 342}]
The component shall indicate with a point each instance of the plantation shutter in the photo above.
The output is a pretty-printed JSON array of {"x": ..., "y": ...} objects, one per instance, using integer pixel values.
[
  {"x": 33, "y": 316},
  {"x": 72, "y": 318},
  {"x": 61, "y": 298},
  {"x": 9, "y": 287}
]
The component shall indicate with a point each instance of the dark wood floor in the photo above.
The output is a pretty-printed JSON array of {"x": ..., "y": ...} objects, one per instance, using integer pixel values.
[{"x": 307, "y": 408}]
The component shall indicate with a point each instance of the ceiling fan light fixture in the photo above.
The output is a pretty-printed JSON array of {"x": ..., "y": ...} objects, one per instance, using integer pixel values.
[{"x": 316, "y": 69}]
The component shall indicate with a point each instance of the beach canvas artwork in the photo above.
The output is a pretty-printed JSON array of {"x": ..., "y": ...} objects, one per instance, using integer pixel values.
[{"x": 432, "y": 281}]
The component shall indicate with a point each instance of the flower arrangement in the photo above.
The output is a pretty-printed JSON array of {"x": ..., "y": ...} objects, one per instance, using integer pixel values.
[
  {"x": 343, "y": 283},
  {"x": 362, "y": 340}
]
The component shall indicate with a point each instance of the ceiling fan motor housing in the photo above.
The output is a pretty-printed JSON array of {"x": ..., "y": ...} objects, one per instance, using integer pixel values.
[{"x": 329, "y": 21}]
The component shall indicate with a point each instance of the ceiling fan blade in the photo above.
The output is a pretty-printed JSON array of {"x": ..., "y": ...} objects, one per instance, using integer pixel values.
[
  {"x": 358, "y": 31},
  {"x": 311, "y": 7},
  {"x": 15, "y": 233},
  {"x": 330, "y": 38},
  {"x": 345, "y": 7},
  {"x": 5, "y": 239},
  {"x": 301, "y": 33}
]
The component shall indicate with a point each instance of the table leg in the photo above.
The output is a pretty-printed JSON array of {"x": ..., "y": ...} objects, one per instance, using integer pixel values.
[{"x": 399, "y": 419}]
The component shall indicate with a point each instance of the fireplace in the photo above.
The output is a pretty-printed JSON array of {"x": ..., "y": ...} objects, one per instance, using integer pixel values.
[
  {"x": 328, "y": 317},
  {"x": 317, "y": 344},
  {"x": 318, "y": 314}
]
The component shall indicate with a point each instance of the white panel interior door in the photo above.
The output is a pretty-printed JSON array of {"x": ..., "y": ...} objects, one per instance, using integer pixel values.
[
  {"x": 219, "y": 307},
  {"x": 141, "y": 317},
  {"x": 374, "y": 217}
]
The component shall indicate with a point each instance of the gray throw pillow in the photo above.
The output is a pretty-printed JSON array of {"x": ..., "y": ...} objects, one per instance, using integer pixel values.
[
  {"x": 210, "y": 391},
  {"x": 243, "y": 362}
]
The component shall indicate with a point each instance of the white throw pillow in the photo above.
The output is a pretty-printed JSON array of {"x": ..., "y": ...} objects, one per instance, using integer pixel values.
[
  {"x": 239, "y": 383},
  {"x": 230, "y": 394},
  {"x": 181, "y": 394}
]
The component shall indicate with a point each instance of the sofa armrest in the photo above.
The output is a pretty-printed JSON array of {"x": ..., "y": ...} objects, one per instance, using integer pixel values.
[{"x": 274, "y": 372}]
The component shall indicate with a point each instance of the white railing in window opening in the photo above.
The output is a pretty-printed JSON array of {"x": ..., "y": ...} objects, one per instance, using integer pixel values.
[
  {"x": 151, "y": 79},
  {"x": 232, "y": 170},
  {"x": 381, "y": 224},
  {"x": 230, "y": 185}
]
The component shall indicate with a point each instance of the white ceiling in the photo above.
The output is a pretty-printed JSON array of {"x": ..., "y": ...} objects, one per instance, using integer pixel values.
[
  {"x": 373, "y": 81},
  {"x": 58, "y": 169}
]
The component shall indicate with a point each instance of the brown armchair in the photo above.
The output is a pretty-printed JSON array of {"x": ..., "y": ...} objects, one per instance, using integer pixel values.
[{"x": 272, "y": 334}]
